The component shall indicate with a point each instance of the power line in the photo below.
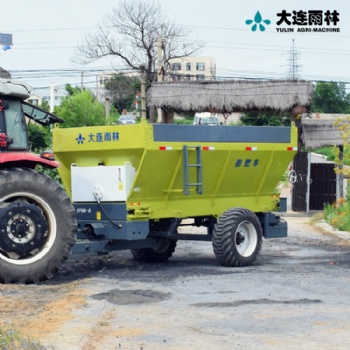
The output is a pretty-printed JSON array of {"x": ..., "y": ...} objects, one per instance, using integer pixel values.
[
  {"x": 240, "y": 46},
  {"x": 224, "y": 73}
]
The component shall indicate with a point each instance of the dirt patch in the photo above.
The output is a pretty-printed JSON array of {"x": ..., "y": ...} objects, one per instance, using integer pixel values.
[
  {"x": 99, "y": 331},
  {"x": 41, "y": 310}
]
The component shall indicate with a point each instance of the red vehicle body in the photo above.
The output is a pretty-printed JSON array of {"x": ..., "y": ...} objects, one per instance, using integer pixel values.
[{"x": 37, "y": 220}]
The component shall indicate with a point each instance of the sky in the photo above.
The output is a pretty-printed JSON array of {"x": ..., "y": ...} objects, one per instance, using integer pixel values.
[{"x": 46, "y": 32}]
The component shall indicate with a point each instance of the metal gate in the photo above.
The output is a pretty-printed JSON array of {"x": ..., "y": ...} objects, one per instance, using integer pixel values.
[
  {"x": 323, "y": 185},
  {"x": 314, "y": 184},
  {"x": 300, "y": 186}
]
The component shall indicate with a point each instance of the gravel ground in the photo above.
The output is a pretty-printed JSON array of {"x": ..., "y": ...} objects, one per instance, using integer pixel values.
[{"x": 296, "y": 296}]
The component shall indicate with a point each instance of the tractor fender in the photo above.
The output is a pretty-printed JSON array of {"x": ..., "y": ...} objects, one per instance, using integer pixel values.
[{"x": 25, "y": 159}]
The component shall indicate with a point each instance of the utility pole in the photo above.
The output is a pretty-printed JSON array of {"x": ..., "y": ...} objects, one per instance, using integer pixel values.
[
  {"x": 160, "y": 70},
  {"x": 53, "y": 90},
  {"x": 82, "y": 81}
]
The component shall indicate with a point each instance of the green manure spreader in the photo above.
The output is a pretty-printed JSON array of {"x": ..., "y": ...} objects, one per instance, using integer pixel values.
[{"x": 132, "y": 186}]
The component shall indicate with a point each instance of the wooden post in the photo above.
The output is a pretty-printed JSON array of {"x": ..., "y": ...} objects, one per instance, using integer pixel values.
[
  {"x": 341, "y": 175},
  {"x": 107, "y": 106}
]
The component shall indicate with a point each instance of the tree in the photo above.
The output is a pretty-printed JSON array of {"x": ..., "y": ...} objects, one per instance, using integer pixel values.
[
  {"x": 330, "y": 97},
  {"x": 263, "y": 119},
  {"x": 39, "y": 137},
  {"x": 45, "y": 105},
  {"x": 71, "y": 90},
  {"x": 130, "y": 34},
  {"x": 122, "y": 90},
  {"x": 81, "y": 109}
]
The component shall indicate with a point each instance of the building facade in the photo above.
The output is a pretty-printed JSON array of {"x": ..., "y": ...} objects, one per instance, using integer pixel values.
[{"x": 192, "y": 68}]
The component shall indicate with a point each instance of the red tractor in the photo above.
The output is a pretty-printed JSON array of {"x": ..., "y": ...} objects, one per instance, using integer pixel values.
[{"x": 37, "y": 219}]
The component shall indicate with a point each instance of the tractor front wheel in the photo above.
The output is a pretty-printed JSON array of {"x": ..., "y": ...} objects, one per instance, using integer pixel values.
[{"x": 37, "y": 226}]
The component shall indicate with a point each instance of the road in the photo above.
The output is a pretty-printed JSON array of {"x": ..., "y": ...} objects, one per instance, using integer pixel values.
[{"x": 296, "y": 296}]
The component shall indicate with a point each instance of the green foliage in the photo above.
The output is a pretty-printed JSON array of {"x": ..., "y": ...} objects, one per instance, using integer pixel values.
[
  {"x": 183, "y": 121},
  {"x": 329, "y": 152},
  {"x": 122, "y": 90},
  {"x": 81, "y": 109},
  {"x": 263, "y": 119},
  {"x": 52, "y": 173},
  {"x": 338, "y": 214},
  {"x": 45, "y": 105},
  {"x": 189, "y": 117},
  {"x": 39, "y": 137},
  {"x": 13, "y": 340},
  {"x": 330, "y": 97},
  {"x": 71, "y": 90}
]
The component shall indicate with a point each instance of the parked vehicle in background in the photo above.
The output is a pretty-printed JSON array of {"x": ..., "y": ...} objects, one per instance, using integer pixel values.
[
  {"x": 126, "y": 119},
  {"x": 205, "y": 119}
]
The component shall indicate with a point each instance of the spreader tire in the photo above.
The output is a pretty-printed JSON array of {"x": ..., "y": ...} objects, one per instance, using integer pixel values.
[
  {"x": 37, "y": 226},
  {"x": 161, "y": 253},
  {"x": 237, "y": 238}
]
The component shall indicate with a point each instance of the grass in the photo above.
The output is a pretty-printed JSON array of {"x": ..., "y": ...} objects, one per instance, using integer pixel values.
[
  {"x": 12, "y": 340},
  {"x": 317, "y": 217}
]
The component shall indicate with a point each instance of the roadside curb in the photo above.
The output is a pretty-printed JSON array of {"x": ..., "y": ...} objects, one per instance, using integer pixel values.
[
  {"x": 322, "y": 224},
  {"x": 327, "y": 227}
]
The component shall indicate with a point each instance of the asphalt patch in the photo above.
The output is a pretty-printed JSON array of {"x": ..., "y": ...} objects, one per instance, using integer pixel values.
[
  {"x": 257, "y": 302},
  {"x": 132, "y": 297}
]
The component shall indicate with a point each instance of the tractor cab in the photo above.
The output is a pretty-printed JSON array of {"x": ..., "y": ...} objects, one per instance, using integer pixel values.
[{"x": 15, "y": 114}]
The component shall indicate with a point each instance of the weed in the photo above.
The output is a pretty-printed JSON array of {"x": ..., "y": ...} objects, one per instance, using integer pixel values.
[
  {"x": 12, "y": 340},
  {"x": 338, "y": 214}
]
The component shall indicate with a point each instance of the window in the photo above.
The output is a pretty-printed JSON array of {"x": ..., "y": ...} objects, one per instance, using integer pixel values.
[
  {"x": 104, "y": 80},
  {"x": 15, "y": 125},
  {"x": 200, "y": 66},
  {"x": 188, "y": 66},
  {"x": 176, "y": 66},
  {"x": 200, "y": 77},
  {"x": 177, "y": 77},
  {"x": 39, "y": 115}
]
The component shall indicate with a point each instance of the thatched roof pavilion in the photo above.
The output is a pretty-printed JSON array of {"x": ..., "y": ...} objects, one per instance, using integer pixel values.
[
  {"x": 317, "y": 133},
  {"x": 230, "y": 95}
]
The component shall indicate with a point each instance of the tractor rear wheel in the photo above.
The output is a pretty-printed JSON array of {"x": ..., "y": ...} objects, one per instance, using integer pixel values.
[
  {"x": 37, "y": 226},
  {"x": 237, "y": 237},
  {"x": 162, "y": 251}
]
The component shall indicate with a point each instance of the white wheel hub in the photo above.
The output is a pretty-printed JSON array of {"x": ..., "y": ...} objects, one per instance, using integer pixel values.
[{"x": 246, "y": 238}]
